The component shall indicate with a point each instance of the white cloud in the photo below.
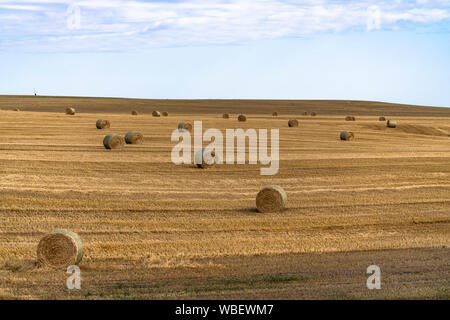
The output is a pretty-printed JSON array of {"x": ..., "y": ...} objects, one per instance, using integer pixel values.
[
  {"x": 120, "y": 24},
  {"x": 19, "y": 7}
]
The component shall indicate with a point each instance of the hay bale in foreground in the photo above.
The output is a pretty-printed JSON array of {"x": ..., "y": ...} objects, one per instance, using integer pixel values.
[
  {"x": 134, "y": 137},
  {"x": 134, "y": 113},
  {"x": 293, "y": 123},
  {"x": 113, "y": 141},
  {"x": 184, "y": 126},
  {"x": 350, "y": 118},
  {"x": 275, "y": 114},
  {"x": 205, "y": 158},
  {"x": 102, "y": 124},
  {"x": 271, "y": 199},
  {"x": 60, "y": 249},
  {"x": 226, "y": 116},
  {"x": 156, "y": 114},
  {"x": 391, "y": 124},
  {"x": 165, "y": 114},
  {"x": 70, "y": 111},
  {"x": 381, "y": 119},
  {"x": 347, "y": 136},
  {"x": 242, "y": 118},
  {"x": 313, "y": 114}
]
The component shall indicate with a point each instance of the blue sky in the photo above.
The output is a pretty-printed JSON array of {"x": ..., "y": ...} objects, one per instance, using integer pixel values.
[{"x": 396, "y": 51}]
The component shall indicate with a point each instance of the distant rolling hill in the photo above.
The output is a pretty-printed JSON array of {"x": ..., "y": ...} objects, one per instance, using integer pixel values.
[{"x": 146, "y": 106}]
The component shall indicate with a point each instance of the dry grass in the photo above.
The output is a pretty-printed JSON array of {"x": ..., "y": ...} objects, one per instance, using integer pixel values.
[
  {"x": 285, "y": 107},
  {"x": 155, "y": 230}
]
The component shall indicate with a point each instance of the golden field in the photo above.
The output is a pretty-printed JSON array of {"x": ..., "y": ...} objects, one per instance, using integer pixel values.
[{"x": 154, "y": 230}]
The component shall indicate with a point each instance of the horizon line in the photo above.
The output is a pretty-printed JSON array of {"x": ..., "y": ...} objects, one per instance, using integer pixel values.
[{"x": 219, "y": 99}]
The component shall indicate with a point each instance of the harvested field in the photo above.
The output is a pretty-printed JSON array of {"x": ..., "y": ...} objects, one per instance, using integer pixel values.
[{"x": 154, "y": 230}]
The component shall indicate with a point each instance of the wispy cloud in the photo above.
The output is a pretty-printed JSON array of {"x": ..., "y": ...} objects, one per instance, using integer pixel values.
[{"x": 59, "y": 25}]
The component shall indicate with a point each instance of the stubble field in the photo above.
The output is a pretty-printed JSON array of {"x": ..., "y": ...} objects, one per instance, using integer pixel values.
[{"x": 154, "y": 230}]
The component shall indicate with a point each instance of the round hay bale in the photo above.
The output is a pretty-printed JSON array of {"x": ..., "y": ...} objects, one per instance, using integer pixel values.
[
  {"x": 271, "y": 199},
  {"x": 134, "y": 137},
  {"x": 134, "y": 113},
  {"x": 102, "y": 124},
  {"x": 275, "y": 114},
  {"x": 305, "y": 113},
  {"x": 156, "y": 114},
  {"x": 16, "y": 109},
  {"x": 184, "y": 126},
  {"x": 70, "y": 111},
  {"x": 226, "y": 116},
  {"x": 347, "y": 136},
  {"x": 350, "y": 118},
  {"x": 165, "y": 114},
  {"x": 242, "y": 118},
  {"x": 293, "y": 123},
  {"x": 60, "y": 249},
  {"x": 313, "y": 114},
  {"x": 113, "y": 141},
  {"x": 381, "y": 119},
  {"x": 205, "y": 158},
  {"x": 391, "y": 124}
]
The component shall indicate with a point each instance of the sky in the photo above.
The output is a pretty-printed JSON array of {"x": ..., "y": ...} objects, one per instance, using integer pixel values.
[{"x": 393, "y": 51}]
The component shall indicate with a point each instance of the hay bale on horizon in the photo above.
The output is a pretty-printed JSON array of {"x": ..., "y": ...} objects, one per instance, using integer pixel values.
[
  {"x": 16, "y": 109},
  {"x": 347, "y": 136},
  {"x": 205, "y": 158},
  {"x": 165, "y": 114},
  {"x": 134, "y": 113},
  {"x": 242, "y": 118},
  {"x": 391, "y": 124},
  {"x": 113, "y": 141},
  {"x": 226, "y": 116},
  {"x": 70, "y": 111},
  {"x": 184, "y": 126},
  {"x": 102, "y": 124},
  {"x": 350, "y": 118},
  {"x": 156, "y": 114},
  {"x": 293, "y": 123},
  {"x": 382, "y": 119},
  {"x": 313, "y": 114},
  {"x": 305, "y": 113},
  {"x": 134, "y": 137},
  {"x": 60, "y": 249},
  {"x": 275, "y": 114},
  {"x": 271, "y": 198}
]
